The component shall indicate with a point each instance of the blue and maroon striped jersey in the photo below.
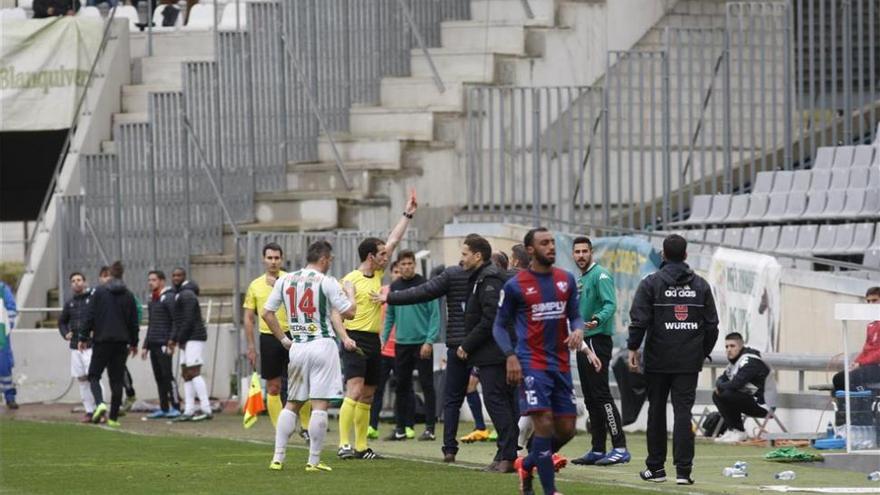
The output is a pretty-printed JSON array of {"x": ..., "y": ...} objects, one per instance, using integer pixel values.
[{"x": 543, "y": 307}]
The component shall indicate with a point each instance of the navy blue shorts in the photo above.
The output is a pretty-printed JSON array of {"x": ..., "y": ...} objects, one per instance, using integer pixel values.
[{"x": 547, "y": 391}]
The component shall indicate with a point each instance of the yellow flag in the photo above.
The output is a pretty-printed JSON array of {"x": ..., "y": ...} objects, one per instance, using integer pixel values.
[{"x": 254, "y": 405}]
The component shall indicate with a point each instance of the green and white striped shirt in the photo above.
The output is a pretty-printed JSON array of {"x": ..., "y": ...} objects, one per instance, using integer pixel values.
[{"x": 308, "y": 295}]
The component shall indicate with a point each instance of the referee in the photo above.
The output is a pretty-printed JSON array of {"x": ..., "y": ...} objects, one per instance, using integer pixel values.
[{"x": 362, "y": 367}]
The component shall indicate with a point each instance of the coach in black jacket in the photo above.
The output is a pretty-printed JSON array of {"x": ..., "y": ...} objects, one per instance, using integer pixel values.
[
  {"x": 675, "y": 309},
  {"x": 159, "y": 329},
  {"x": 454, "y": 284},
  {"x": 480, "y": 350},
  {"x": 112, "y": 315}
]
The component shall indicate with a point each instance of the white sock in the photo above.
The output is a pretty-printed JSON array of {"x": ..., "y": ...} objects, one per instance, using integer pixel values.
[
  {"x": 189, "y": 398},
  {"x": 317, "y": 432},
  {"x": 202, "y": 391},
  {"x": 287, "y": 422},
  {"x": 526, "y": 427},
  {"x": 88, "y": 399}
]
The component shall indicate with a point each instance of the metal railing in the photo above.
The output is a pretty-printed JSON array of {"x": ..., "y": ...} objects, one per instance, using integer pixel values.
[{"x": 760, "y": 87}]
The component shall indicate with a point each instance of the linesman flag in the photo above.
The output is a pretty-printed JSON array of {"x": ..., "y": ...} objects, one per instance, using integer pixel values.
[{"x": 254, "y": 405}]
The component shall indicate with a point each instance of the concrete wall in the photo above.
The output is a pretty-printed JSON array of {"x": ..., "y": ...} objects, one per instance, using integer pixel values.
[{"x": 42, "y": 366}]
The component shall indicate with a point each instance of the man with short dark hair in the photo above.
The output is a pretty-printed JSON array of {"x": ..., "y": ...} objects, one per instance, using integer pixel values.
[
  {"x": 417, "y": 327},
  {"x": 519, "y": 257},
  {"x": 190, "y": 334},
  {"x": 598, "y": 306},
  {"x": 362, "y": 366},
  {"x": 865, "y": 368},
  {"x": 112, "y": 316},
  {"x": 675, "y": 311},
  {"x": 740, "y": 389},
  {"x": 127, "y": 381},
  {"x": 160, "y": 311},
  {"x": 70, "y": 323}
]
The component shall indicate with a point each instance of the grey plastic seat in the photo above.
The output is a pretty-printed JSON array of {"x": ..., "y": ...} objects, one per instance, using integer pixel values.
[
  {"x": 843, "y": 156},
  {"x": 844, "y": 238},
  {"x": 872, "y": 204},
  {"x": 815, "y": 205},
  {"x": 821, "y": 180},
  {"x": 733, "y": 237},
  {"x": 715, "y": 236},
  {"x": 840, "y": 179},
  {"x": 739, "y": 207},
  {"x": 763, "y": 182},
  {"x": 835, "y": 204},
  {"x": 782, "y": 182},
  {"x": 825, "y": 241},
  {"x": 757, "y": 208},
  {"x": 858, "y": 177},
  {"x": 862, "y": 238},
  {"x": 700, "y": 209},
  {"x": 876, "y": 243},
  {"x": 824, "y": 158},
  {"x": 694, "y": 234},
  {"x": 720, "y": 208},
  {"x": 863, "y": 156},
  {"x": 796, "y": 205},
  {"x": 874, "y": 176},
  {"x": 788, "y": 238},
  {"x": 769, "y": 238},
  {"x": 801, "y": 182},
  {"x": 751, "y": 238},
  {"x": 872, "y": 258},
  {"x": 776, "y": 207},
  {"x": 806, "y": 238},
  {"x": 855, "y": 203}
]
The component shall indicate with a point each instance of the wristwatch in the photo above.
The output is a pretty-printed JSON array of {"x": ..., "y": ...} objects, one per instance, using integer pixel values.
[{"x": 408, "y": 215}]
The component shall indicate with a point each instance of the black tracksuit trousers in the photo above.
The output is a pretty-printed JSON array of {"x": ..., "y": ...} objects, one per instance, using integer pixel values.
[
  {"x": 682, "y": 387},
  {"x": 604, "y": 415}
]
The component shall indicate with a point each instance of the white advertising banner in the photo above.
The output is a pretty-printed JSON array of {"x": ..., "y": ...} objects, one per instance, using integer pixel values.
[
  {"x": 747, "y": 294},
  {"x": 44, "y": 67}
]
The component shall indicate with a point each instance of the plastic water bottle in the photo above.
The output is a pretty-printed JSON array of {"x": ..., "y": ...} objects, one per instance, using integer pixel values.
[
  {"x": 741, "y": 465},
  {"x": 785, "y": 475},
  {"x": 829, "y": 432},
  {"x": 875, "y": 476},
  {"x": 734, "y": 472}
]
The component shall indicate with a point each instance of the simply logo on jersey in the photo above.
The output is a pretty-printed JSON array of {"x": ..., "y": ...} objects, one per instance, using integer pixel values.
[
  {"x": 550, "y": 310},
  {"x": 684, "y": 291}
]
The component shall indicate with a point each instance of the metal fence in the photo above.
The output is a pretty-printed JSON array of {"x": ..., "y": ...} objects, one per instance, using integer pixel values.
[
  {"x": 294, "y": 245},
  {"x": 760, "y": 87}
]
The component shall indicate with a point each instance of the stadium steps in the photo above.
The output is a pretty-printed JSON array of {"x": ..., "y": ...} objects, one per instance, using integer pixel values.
[{"x": 134, "y": 96}]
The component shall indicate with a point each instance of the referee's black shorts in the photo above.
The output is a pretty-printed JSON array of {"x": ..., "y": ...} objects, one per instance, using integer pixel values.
[
  {"x": 367, "y": 365},
  {"x": 274, "y": 358}
]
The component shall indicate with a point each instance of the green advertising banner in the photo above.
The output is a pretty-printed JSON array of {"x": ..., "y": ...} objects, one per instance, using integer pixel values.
[{"x": 44, "y": 67}]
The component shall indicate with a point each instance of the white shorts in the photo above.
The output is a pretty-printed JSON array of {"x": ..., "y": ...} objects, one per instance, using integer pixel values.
[
  {"x": 79, "y": 362},
  {"x": 191, "y": 355},
  {"x": 314, "y": 371}
]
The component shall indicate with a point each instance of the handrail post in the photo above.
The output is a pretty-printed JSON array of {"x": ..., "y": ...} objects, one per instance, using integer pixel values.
[
  {"x": 415, "y": 30},
  {"x": 527, "y": 9}
]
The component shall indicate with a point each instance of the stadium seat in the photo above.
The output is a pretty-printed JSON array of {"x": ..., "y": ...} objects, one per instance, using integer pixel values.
[
  {"x": 821, "y": 180},
  {"x": 872, "y": 204},
  {"x": 815, "y": 205},
  {"x": 840, "y": 179},
  {"x": 834, "y": 204},
  {"x": 715, "y": 236},
  {"x": 89, "y": 11},
  {"x": 801, "y": 182},
  {"x": 130, "y": 13},
  {"x": 843, "y": 239},
  {"x": 763, "y": 182},
  {"x": 876, "y": 243},
  {"x": 796, "y": 205},
  {"x": 788, "y": 239},
  {"x": 701, "y": 206},
  {"x": 806, "y": 239},
  {"x": 739, "y": 207},
  {"x": 872, "y": 258},
  {"x": 776, "y": 207},
  {"x": 858, "y": 177},
  {"x": 26, "y": 4},
  {"x": 158, "y": 16},
  {"x": 874, "y": 176},
  {"x": 757, "y": 207},
  {"x": 201, "y": 18},
  {"x": 862, "y": 239},
  {"x": 751, "y": 238},
  {"x": 720, "y": 208},
  {"x": 843, "y": 156},
  {"x": 824, "y": 158},
  {"x": 227, "y": 19},
  {"x": 769, "y": 238},
  {"x": 855, "y": 203},
  {"x": 824, "y": 243},
  {"x": 733, "y": 237},
  {"x": 864, "y": 156},
  {"x": 782, "y": 182},
  {"x": 15, "y": 13}
]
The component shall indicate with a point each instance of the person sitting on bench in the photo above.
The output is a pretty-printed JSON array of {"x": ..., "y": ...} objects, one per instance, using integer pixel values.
[
  {"x": 865, "y": 368},
  {"x": 740, "y": 389}
]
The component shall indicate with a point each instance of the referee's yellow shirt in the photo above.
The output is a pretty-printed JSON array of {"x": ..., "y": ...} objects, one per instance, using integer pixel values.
[
  {"x": 255, "y": 298},
  {"x": 368, "y": 317}
]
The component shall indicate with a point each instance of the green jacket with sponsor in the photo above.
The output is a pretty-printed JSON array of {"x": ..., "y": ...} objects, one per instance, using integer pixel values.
[{"x": 598, "y": 300}]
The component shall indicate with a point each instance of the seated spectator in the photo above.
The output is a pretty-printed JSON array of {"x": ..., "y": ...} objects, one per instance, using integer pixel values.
[
  {"x": 53, "y": 8},
  {"x": 865, "y": 368},
  {"x": 740, "y": 389}
]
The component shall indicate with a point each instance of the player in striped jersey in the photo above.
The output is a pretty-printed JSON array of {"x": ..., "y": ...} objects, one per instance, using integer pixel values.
[{"x": 311, "y": 298}]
